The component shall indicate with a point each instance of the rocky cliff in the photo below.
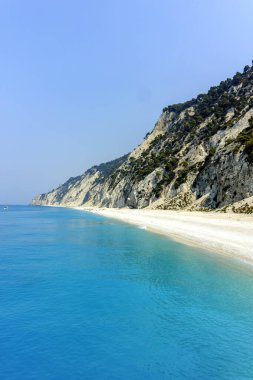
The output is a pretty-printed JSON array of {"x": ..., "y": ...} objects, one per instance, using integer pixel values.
[{"x": 198, "y": 156}]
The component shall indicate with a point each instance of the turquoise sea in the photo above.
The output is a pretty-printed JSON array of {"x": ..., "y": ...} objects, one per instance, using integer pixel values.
[{"x": 85, "y": 297}]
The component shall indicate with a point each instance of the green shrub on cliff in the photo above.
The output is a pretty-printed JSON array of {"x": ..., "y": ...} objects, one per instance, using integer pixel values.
[{"x": 246, "y": 138}]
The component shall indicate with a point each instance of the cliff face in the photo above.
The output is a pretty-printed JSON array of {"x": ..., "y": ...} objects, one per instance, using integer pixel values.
[{"x": 198, "y": 156}]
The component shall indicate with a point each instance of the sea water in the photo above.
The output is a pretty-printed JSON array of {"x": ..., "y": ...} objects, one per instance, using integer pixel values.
[{"x": 85, "y": 297}]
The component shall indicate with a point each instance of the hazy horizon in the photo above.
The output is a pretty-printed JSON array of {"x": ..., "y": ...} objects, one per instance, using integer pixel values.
[{"x": 82, "y": 83}]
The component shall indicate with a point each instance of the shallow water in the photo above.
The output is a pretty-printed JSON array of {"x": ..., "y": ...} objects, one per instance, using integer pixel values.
[{"x": 85, "y": 297}]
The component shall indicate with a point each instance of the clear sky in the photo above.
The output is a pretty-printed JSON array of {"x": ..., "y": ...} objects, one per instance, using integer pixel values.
[{"x": 83, "y": 81}]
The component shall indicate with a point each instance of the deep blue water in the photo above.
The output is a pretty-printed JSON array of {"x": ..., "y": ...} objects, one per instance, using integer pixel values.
[{"x": 85, "y": 297}]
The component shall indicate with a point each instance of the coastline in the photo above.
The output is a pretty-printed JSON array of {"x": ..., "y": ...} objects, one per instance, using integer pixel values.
[{"x": 225, "y": 234}]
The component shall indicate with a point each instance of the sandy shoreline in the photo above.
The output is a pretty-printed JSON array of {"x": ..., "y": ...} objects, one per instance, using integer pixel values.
[{"x": 226, "y": 234}]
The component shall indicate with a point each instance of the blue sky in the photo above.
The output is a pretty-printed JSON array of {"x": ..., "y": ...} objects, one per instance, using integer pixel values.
[{"x": 82, "y": 81}]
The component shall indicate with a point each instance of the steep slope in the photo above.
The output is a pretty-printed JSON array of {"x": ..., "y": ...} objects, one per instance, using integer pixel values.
[
  {"x": 78, "y": 190},
  {"x": 198, "y": 156}
]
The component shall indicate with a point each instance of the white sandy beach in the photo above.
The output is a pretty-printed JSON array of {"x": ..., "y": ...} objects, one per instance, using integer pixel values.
[{"x": 226, "y": 234}]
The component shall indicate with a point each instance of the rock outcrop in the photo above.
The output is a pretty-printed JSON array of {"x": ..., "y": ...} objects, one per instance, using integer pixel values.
[{"x": 198, "y": 156}]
